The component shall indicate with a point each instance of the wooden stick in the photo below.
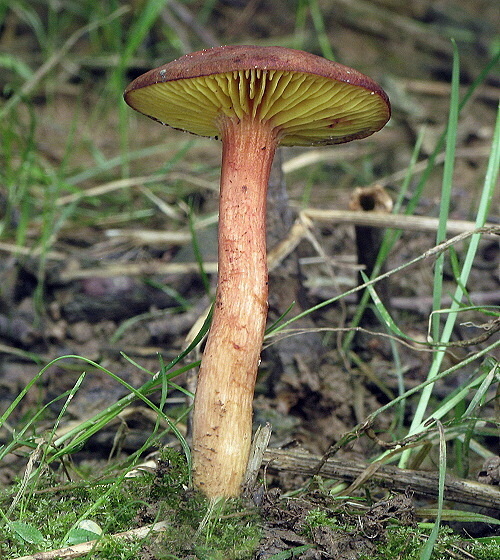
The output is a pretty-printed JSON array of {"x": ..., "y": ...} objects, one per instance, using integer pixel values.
[
  {"x": 84, "y": 548},
  {"x": 398, "y": 221},
  {"x": 422, "y": 483}
]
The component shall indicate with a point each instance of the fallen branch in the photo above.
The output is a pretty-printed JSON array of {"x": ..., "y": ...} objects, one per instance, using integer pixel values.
[
  {"x": 398, "y": 221},
  {"x": 421, "y": 483}
]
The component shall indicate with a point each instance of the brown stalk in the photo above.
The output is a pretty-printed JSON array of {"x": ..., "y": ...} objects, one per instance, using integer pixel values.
[{"x": 222, "y": 420}]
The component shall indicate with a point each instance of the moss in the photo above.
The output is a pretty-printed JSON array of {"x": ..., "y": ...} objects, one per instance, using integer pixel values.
[
  {"x": 320, "y": 517},
  {"x": 405, "y": 542},
  {"x": 199, "y": 530},
  {"x": 116, "y": 504},
  {"x": 52, "y": 507},
  {"x": 484, "y": 549},
  {"x": 196, "y": 530}
]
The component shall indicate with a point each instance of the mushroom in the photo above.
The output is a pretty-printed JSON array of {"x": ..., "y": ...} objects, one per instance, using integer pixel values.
[{"x": 253, "y": 99}]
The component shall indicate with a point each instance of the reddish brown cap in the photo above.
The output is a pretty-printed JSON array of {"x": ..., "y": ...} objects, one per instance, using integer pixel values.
[{"x": 309, "y": 99}]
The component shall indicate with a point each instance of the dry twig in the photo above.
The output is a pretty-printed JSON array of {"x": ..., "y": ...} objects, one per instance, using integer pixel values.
[
  {"x": 422, "y": 483},
  {"x": 79, "y": 550}
]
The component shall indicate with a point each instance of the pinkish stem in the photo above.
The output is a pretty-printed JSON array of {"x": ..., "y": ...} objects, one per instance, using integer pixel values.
[{"x": 222, "y": 421}]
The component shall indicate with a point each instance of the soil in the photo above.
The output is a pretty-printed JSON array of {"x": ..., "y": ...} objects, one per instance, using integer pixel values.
[{"x": 100, "y": 294}]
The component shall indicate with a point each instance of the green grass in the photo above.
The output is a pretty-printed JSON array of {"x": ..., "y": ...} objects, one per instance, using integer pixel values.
[{"x": 443, "y": 431}]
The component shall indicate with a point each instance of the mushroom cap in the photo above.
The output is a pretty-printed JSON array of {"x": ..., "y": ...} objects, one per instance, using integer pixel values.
[{"x": 308, "y": 99}]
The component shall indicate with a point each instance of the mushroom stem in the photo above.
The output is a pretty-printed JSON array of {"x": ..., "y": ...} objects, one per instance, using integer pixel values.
[{"x": 222, "y": 420}]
